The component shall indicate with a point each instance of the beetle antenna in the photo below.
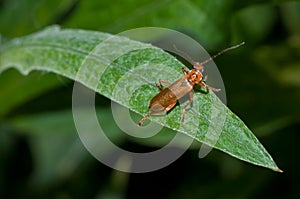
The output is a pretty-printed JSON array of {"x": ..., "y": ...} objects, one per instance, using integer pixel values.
[
  {"x": 221, "y": 52},
  {"x": 185, "y": 54}
]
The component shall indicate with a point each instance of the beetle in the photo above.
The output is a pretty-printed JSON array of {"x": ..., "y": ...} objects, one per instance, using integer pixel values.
[{"x": 167, "y": 98}]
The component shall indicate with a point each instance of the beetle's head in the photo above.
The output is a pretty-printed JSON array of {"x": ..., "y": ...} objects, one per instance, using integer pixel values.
[{"x": 194, "y": 76}]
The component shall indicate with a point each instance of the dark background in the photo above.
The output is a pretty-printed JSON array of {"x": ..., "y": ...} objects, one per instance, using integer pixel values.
[{"x": 41, "y": 155}]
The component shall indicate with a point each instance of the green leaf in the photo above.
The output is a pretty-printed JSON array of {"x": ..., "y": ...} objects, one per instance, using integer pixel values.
[
  {"x": 127, "y": 80},
  {"x": 245, "y": 30},
  {"x": 20, "y": 89},
  {"x": 54, "y": 163},
  {"x": 207, "y": 21},
  {"x": 29, "y": 15}
]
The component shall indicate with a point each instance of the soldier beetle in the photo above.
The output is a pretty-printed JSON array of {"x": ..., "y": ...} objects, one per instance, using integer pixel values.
[{"x": 167, "y": 98}]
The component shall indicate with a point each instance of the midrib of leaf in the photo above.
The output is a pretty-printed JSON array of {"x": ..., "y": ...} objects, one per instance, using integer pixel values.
[{"x": 64, "y": 52}]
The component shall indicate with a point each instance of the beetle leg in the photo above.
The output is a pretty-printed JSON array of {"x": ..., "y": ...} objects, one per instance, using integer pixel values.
[
  {"x": 209, "y": 87},
  {"x": 186, "y": 106},
  {"x": 143, "y": 119},
  {"x": 184, "y": 71},
  {"x": 205, "y": 78},
  {"x": 165, "y": 82},
  {"x": 160, "y": 86}
]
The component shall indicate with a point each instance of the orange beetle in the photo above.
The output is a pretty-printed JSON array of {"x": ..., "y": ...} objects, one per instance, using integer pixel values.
[{"x": 168, "y": 97}]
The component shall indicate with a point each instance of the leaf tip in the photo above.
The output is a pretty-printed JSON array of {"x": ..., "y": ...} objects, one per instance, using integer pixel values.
[{"x": 279, "y": 170}]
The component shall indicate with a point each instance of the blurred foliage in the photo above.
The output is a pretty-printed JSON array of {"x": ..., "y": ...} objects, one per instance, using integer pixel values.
[{"x": 42, "y": 160}]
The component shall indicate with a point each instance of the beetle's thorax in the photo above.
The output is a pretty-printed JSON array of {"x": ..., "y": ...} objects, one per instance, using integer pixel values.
[{"x": 194, "y": 77}]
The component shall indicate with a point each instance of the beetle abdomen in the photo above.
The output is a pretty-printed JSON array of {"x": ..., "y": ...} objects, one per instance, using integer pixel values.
[{"x": 161, "y": 101}]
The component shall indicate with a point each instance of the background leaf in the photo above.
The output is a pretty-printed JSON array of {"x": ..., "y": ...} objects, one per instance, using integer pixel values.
[{"x": 20, "y": 89}]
